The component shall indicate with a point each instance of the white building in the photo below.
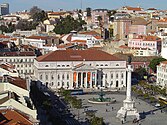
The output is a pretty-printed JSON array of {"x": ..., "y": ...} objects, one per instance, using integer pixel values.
[
  {"x": 10, "y": 85},
  {"x": 80, "y": 69},
  {"x": 164, "y": 48},
  {"x": 89, "y": 38},
  {"x": 23, "y": 61},
  {"x": 162, "y": 74}
]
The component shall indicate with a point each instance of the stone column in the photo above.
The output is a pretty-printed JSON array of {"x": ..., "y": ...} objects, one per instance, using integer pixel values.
[
  {"x": 128, "y": 91},
  {"x": 77, "y": 80},
  {"x": 71, "y": 80},
  {"x": 81, "y": 79},
  {"x": 86, "y": 81},
  {"x": 104, "y": 82},
  {"x": 95, "y": 79},
  {"x": 90, "y": 82}
]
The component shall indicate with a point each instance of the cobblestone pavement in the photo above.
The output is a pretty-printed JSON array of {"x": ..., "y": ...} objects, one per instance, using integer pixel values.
[{"x": 155, "y": 118}]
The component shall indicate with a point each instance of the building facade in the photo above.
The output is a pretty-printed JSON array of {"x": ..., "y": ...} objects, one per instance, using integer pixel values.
[
  {"x": 162, "y": 74},
  {"x": 23, "y": 61},
  {"x": 4, "y": 9},
  {"x": 146, "y": 42},
  {"x": 80, "y": 69},
  {"x": 121, "y": 28}
]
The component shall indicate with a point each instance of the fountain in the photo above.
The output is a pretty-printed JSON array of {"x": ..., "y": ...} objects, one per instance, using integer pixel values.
[{"x": 101, "y": 99}]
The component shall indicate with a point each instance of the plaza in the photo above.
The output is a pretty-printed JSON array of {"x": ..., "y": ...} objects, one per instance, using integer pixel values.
[{"x": 153, "y": 115}]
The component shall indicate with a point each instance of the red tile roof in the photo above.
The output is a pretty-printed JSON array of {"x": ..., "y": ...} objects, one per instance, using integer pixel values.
[
  {"x": 65, "y": 45},
  {"x": 90, "y": 33},
  {"x": 134, "y": 8},
  {"x": 8, "y": 67},
  {"x": 77, "y": 55},
  {"x": 98, "y": 37},
  {"x": 12, "y": 117},
  {"x": 30, "y": 53},
  {"x": 16, "y": 81},
  {"x": 79, "y": 41},
  {"x": 3, "y": 36},
  {"x": 38, "y": 37}
]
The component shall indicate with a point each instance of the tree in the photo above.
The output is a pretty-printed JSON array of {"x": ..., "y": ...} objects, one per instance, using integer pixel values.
[
  {"x": 96, "y": 121},
  {"x": 26, "y": 25},
  {"x": 153, "y": 64},
  {"x": 88, "y": 12},
  {"x": 67, "y": 24},
  {"x": 141, "y": 72},
  {"x": 37, "y": 14}
]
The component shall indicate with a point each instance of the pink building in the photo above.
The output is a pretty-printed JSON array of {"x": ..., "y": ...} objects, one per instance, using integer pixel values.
[
  {"x": 150, "y": 42},
  {"x": 138, "y": 26},
  {"x": 103, "y": 14}
]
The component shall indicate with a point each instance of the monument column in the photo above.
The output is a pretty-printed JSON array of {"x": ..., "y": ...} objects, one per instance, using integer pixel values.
[
  {"x": 128, "y": 91},
  {"x": 128, "y": 108}
]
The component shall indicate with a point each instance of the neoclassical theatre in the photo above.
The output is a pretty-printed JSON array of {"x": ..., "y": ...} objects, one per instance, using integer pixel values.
[{"x": 72, "y": 69}]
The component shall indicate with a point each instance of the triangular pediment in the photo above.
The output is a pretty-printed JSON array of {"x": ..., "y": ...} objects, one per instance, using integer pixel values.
[{"x": 83, "y": 66}]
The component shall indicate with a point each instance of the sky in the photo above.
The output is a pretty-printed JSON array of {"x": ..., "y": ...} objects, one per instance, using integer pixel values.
[{"x": 20, "y": 5}]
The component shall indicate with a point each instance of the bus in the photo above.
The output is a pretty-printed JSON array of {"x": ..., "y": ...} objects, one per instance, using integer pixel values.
[
  {"x": 76, "y": 91},
  {"x": 163, "y": 100}
]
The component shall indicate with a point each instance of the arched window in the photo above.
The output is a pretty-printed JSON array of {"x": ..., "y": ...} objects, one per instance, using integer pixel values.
[
  {"x": 67, "y": 76},
  {"x": 58, "y": 76}
]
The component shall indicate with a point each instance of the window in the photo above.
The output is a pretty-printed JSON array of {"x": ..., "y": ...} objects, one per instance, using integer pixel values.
[
  {"x": 111, "y": 75},
  {"x": 52, "y": 77},
  {"x": 68, "y": 65},
  {"x": 46, "y": 77},
  {"x": 117, "y": 75},
  {"x": 67, "y": 76},
  {"x": 62, "y": 84},
  {"x": 58, "y": 65},
  {"x": 68, "y": 84},
  {"x": 106, "y": 65},
  {"x": 117, "y": 64},
  {"x": 58, "y": 83},
  {"x": 122, "y": 82},
  {"x": 63, "y": 76},
  {"x": 122, "y": 75},
  {"x": 63, "y": 65},
  {"x": 41, "y": 77},
  {"x": 58, "y": 76}
]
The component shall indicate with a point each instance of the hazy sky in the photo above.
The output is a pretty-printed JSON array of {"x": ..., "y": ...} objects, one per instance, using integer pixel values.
[{"x": 19, "y": 5}]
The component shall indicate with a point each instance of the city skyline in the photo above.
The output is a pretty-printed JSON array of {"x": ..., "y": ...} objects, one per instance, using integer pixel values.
[{"x": 20, "y": 5}]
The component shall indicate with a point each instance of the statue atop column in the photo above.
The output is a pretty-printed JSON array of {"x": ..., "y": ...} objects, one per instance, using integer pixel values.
[{"x": 129, "y": 60}]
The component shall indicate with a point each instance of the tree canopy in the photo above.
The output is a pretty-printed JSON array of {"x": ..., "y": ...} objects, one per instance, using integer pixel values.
[
  {"x": 153, "y": 64},
  {"x": 37, "y": 14},
  {"x": 67, "y": 24},
  {"x": 7, "y": 29}
]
